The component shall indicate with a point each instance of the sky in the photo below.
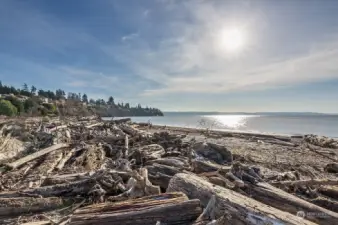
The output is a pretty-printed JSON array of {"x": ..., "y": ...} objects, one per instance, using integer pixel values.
[{"x": 177, "y": 55}]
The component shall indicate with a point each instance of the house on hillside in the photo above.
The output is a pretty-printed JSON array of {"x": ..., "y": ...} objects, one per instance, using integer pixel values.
[
  {"x": 44, "y": 99},
  {"x": 22, "y": 98}
]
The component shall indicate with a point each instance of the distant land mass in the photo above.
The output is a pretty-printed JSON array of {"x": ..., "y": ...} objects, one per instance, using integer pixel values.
[
  {"x": 252, "y": 113},
  {"x": 29, "y": 101}
]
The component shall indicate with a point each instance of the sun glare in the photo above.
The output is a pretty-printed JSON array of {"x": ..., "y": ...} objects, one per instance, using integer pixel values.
[{"x": 232, "y": 39}]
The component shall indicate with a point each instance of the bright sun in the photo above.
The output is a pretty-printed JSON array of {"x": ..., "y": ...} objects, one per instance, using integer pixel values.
[{"x": 232, "y": 39}]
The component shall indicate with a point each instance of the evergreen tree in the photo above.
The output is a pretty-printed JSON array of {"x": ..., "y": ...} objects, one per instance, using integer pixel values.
[
  {"x": 111, "y": 101},
  {"x": 25, "y": 87},
  {"x": 33, "y": 90},
  {"x": 85, "y": 98}
]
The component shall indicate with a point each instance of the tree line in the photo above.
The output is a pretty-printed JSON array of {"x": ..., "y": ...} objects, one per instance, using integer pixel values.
[{"x": 34, "y": 96}]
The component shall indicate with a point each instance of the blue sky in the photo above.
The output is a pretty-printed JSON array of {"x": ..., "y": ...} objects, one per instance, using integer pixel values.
[{"x": 168, "y": 53}]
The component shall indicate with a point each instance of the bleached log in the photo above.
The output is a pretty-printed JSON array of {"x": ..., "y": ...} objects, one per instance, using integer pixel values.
[
  {"x": 35, "y": 155},
  {"x": 43, "y": 222},
  {"x": 282, "y": 200},
  {"x": 170, "y": 209},
  {"x": 68, "y": 189},
  {"x": 94, "y": 125},
  {"x": 201, "y": 166},
  {"x": 64, "y": 160},
  {"x": 17, "y": 206},
  {"x": 240, "y": 209},
  {"x": 133, "y": 131},
  {"x": 304, "y": 182},
  {"x": 57, "y": 128}
]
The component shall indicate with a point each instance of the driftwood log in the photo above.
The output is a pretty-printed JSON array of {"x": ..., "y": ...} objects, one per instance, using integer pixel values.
[
  {"x": 282, "y": 200},
  {"x": 17, "y": 206},
  {"x": 44, "y": 222},
  {"x": 67, "y": 189},
  {"x": 304, "y": 182},
  {"x": 172, "y": 208},
  {"x": 239, "y": 209},
  {"x": 35, "y": 155},
  {"x": 65, "y": 159},
  {"x": 201, "y": 166},
  {"x": 94, "y": 125}
]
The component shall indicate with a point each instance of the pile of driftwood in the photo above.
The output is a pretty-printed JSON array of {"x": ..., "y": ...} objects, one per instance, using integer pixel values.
[{"x": 89, "y": 171}]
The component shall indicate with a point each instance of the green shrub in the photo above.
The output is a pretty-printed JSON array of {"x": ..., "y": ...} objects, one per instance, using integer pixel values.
[
  {"x": 50, "y": 107},
  {"x": 17, "y": 103},
  {"x": 28, "y": 104},
  {"x": 43, "y": 111},
  {"x": 7, "y": 108}
]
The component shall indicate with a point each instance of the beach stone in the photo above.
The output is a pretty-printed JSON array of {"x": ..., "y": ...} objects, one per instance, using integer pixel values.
[
  {"x": 331, "y": 168},
  {"x": 217, "y": 153}
]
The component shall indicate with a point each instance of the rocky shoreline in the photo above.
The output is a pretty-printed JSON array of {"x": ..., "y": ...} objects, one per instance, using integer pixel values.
[{"x": 86, "y": 171}]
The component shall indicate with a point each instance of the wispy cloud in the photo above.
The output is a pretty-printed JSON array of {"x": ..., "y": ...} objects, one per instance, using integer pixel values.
[
  {"x": 191, "y": 60},
  {"x": 130, "y": 37},
  {"x": 146, "y": 12},
  {"x": 87, "y": 78}
]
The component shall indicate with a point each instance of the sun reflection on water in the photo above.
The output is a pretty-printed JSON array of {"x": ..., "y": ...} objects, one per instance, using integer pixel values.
[{"x": 230, "y": 121}]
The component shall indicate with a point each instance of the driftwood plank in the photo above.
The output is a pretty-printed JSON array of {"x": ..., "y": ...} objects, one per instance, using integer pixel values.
[
  {"x": 240, "y": 209},
  {"x": 171, "y": 208},
  {"x": 35, "y": 155}
]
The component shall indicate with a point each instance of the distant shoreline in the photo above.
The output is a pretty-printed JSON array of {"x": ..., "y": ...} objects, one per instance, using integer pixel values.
[
  {"x": 255, "y": 113},
  {"x": 222, "y": 132}
]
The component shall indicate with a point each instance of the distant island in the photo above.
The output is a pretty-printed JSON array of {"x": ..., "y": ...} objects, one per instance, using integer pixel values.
[{"x": 29, "y": 101}]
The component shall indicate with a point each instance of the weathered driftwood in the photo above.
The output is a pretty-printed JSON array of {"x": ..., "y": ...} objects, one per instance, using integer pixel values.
[
  {"x": 64, "y": 178},
  {"x": 35, "y": 155},
  {"x": 124, "y": 120},
  {"x": 168, "y": 170},
  {"x": 318, "y": 151},
  {"x": 17, "y": 206},
  {"x": 94, "y": 125},
  {"x": 109, "y": 139},
  {"x": 282, "y": 200},
  {"x": 138, "y": 186},
  {"x": 279, "y": 142},
  {"x": 240, "y": 209},
  {"x": 49, "y": 162},
  {"x": 331, "y": 191},
  {"x": 160, "y": 179},
  {"x": 167, "y": 208},
  {"x": 304, "y": 182},
  {"x": 68, "y": 189},
  {"x": 325, "y": 203},
  {"x": 64, "y": 160},
  {"x": 44, "y": 222},
  {"x": 132, "y": 130},
  {"x": 149, "y": 152},
  {"x": 57, "y": 128},
  {"x": 171, "y": 161},
  {"x": 218, "y": 179},
  {"x": 201, "y": 166},
  {"x": 10, "y": 148}
]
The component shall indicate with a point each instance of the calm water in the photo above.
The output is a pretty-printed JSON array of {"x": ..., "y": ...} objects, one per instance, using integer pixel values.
[{"x": 269, "y": 123}]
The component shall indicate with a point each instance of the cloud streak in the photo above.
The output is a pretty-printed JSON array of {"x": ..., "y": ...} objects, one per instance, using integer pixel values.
[{"x": 166, "y": 49}]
